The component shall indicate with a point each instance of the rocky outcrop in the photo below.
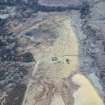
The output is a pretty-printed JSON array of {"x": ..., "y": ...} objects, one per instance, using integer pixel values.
[{"x": 16, "y": 64}]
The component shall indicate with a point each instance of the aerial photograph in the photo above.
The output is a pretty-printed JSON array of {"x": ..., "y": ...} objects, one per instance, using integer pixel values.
[{"x": 52, "y": 52}]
